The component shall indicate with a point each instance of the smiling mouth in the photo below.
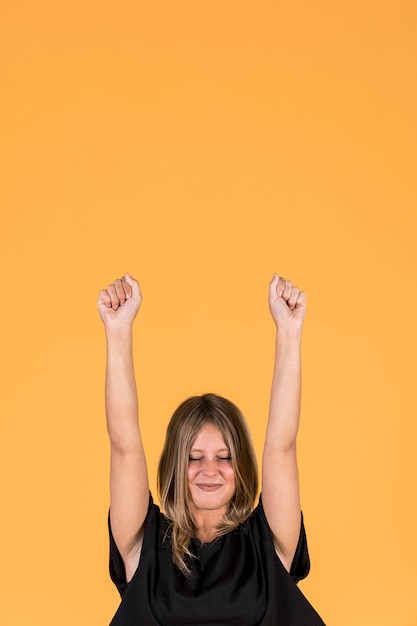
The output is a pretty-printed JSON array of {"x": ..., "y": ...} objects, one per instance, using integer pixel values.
[{"x": 208, "y": 486}]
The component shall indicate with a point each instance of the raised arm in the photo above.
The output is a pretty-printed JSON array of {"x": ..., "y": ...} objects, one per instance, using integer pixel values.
[
  {"x": 280, "y": 485},
  {"x": 129, "y": 490}
]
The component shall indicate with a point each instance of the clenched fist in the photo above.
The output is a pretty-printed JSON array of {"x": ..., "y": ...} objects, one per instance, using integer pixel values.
[
  {"x": 119, "y": 303},
  {"x": 287, "y": 304}
]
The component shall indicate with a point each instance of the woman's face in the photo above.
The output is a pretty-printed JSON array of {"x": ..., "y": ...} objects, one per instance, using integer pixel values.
[{"x": 211, "y": 478}]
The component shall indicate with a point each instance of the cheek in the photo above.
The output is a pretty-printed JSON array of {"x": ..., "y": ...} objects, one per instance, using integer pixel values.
[
  {"x": 192, "y": 472},
  {"x": 230, "y": 475}
]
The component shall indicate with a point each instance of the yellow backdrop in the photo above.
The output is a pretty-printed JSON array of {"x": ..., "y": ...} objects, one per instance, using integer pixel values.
[{"x": 203, "y": 145}]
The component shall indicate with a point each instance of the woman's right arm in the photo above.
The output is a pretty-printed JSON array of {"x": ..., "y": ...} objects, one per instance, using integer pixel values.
[{"x": 129, "y": 488}]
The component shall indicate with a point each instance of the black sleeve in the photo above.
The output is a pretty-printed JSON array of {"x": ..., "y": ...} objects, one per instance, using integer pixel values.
[
  {"x": 300, "y": 565},
  {"x": 116, "y": 563}
]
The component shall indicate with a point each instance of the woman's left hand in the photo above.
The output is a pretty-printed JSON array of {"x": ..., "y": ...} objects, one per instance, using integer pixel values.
[{"x": 287, "y": 304}]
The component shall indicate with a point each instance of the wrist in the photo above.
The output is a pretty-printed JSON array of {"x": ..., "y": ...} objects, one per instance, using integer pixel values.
[
  {"x": 289, "y": 337},
  {"x": 121, "y": 332}
]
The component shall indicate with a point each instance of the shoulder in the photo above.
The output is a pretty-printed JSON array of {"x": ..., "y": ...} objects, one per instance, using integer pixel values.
[
  {"x": 257, "y": 525},
  {"x": 123, "y": 570},
  {"x": 257, "y": 520}
]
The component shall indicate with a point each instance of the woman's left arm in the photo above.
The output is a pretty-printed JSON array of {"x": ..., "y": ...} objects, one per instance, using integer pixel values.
[{"x": 280, "y": 484}]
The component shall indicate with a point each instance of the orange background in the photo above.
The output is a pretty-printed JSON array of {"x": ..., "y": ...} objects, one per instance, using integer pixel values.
[{"x": 202, "y": 145}]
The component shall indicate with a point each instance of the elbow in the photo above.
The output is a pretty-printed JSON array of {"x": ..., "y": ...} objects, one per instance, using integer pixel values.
[
  {"x": 125, "y": 442},
  {"x": 283, "y": 446}
]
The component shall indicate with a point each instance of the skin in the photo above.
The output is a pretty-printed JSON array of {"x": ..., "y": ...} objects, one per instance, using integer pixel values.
[
  {"x": 211, "y": 480},
  {"x": 280, "y": 483},
  {"x": 118, "y": 306}
]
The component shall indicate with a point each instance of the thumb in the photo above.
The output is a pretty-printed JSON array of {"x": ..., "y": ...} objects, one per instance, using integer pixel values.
[
  {"x": 134, "y": 286},
  {"x": 273, "y": 286}
]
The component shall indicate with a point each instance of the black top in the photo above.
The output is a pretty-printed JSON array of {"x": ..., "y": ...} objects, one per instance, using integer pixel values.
[{"x": 237, "y": 579}]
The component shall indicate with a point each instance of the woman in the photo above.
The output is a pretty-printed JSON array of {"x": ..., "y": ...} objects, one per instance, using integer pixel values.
[{"x": 209, "y": 559}]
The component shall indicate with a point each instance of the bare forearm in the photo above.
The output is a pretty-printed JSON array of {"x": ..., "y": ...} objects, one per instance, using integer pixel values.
[
  {"x": 285, "y": 403},
  {"x": 121, "y": 393}
]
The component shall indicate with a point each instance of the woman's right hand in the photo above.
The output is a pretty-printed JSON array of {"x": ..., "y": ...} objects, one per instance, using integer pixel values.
[{"x": 119, "y": 303}]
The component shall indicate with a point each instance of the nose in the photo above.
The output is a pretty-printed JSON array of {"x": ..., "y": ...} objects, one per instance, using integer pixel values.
[{"x": 209, "y": 467}]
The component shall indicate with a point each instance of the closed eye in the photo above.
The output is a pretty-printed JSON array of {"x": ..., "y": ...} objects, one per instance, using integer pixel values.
[{"x": 201, "y": 458}]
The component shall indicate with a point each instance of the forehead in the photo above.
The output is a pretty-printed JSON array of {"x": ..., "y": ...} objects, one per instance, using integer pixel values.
[{"x": 210, "y": 437}]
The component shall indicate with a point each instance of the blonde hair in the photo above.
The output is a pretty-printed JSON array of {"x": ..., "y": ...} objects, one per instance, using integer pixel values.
[{"x": 186, "y": 422}]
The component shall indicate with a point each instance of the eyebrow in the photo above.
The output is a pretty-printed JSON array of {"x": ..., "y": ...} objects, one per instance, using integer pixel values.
[{"x": 220, "y": 450}]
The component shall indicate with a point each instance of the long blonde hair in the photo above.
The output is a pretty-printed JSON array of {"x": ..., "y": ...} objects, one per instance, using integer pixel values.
[{"x": 187, "y": 420}]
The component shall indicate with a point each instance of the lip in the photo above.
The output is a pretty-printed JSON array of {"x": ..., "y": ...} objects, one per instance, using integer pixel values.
[{"x": 208, "y": 486}]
